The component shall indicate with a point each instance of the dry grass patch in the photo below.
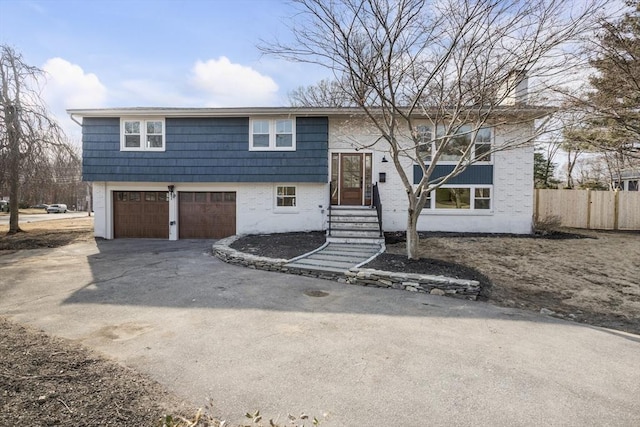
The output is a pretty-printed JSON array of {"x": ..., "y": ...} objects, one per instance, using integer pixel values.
[
  {"x": 47, "y": 234},
  {"x": 594, "y": 278}
]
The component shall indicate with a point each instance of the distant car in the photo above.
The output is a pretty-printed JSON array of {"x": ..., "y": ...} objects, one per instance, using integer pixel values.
[
  {"x": 41, "y": 206},
  {"x": 4, "y": 206},
  {"x": 57, "y": 208}
]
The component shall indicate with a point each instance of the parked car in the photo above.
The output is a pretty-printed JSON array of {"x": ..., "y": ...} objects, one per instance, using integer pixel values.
[
  {"x": 41, "y": 206},
  {"x": 4, "y": 206},
  {"x": 57, "y": 208}
]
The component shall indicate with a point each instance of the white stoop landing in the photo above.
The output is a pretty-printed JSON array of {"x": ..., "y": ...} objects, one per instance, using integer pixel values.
[{"x": 337, "y": 257}]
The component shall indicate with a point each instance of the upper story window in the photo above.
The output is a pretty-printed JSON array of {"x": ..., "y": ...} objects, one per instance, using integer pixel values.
[
  {"x": 457, "y": 144},
  {"x": 272, "y": 134},
  {"x": 142, "y": 135}
]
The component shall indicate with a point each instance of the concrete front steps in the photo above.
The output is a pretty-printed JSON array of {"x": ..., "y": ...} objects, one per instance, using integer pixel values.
[
  {"x": 337, "y": 257},
  {"x": 354, "y": 224}
]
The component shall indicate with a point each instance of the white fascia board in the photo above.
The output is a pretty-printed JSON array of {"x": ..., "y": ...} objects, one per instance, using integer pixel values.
[{"x": 530, "y": 112}]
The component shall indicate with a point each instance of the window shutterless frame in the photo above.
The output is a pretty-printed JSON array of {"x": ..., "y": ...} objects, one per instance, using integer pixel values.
[
  {"x": 142, "y": 134},
  {"x": 286, "y": 197},
  {"x": 461, "y": 198},
  {"x": 272, "y": 134},
  {"x": 480, "y": 151}
]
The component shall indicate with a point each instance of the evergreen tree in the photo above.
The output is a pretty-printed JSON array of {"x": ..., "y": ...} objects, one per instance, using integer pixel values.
[{"x": 613, "y": 106}]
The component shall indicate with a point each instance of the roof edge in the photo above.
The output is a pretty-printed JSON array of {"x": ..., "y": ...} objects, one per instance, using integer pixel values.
[{"x": 528, "y": 110}]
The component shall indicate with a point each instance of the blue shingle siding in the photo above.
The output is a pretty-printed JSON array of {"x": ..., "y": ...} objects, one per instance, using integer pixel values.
[
  {"x": 205, "y": 150},
  {"x": 473, "y": 175}
]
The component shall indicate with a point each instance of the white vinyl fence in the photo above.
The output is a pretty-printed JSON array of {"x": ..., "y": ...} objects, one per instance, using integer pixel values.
[{"x": 600, "y": 210}]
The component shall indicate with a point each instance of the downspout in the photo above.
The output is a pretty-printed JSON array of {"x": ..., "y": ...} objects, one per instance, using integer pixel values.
[{"x": 74, "y": 120}]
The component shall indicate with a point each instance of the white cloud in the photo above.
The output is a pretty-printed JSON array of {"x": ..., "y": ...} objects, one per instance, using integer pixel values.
[
  {"x": 232, "y": 85},
  {"x": 151, "y": 93},
  {"x": 68, "y": 86}
]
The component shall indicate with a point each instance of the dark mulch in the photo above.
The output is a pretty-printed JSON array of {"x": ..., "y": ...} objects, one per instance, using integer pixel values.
[
  {"x": 435, "y": 267},
  {"x": 280, "y": 245}
]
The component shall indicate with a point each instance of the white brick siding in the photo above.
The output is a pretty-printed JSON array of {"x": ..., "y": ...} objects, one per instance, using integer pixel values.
[{"x": 512, "y": 194}]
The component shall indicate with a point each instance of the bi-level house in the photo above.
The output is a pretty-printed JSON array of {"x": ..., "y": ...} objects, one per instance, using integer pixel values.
[{"x": 176, "y": 173}]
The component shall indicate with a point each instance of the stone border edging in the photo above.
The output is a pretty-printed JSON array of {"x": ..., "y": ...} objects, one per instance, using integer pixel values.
[{"x": 424, "y": 283}]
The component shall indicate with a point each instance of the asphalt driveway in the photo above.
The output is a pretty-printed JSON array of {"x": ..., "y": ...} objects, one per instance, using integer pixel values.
[{"x": 282, "y": 344}]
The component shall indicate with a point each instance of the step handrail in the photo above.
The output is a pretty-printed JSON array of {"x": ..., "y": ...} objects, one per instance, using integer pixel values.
[
  {"x": 330, "y": 194},
  {"x": 378, "y": 205}
]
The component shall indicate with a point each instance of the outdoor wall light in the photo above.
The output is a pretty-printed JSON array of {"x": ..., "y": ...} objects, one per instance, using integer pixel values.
[
  {"x": 384, "y": 159},
  {"x": 171, "y": 187}
]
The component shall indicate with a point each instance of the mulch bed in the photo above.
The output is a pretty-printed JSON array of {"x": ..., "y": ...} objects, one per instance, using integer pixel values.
[
  {"x": 280, "y": 245},
  {"x": 290, "y": 245}
]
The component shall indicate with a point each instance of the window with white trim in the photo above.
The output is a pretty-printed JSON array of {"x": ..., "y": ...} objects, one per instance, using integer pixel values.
[
  {"x": 464, "y": 198},
  {"x": 482, "y": 198},
  {"x": 142, "y": 134},
  {"x": 272, "y": 134},
  {"x": 285, "y": 196},
  {"x": 457, "y": 144}
]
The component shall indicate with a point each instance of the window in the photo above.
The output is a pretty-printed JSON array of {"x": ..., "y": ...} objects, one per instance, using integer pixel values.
[
  {"x": 462, "y": 198},
  {"x": 483, "y": 145},
  {"x": 272, "y": 134},
  {"x": 453, "y": 198},
  {"x": 482, "y": 198},
  {"x": 633, "y": 185},
  {"x": 285, "y": 196},
  {"x": 457, "y": 144},
  {"x": 425, "y": 141},
  {"x": 142, "y": 135}
]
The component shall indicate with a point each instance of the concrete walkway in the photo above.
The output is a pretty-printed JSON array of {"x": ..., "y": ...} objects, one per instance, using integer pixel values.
[
  {"x": 337, "y": 257},
  {"x": 353, "y": 356}
]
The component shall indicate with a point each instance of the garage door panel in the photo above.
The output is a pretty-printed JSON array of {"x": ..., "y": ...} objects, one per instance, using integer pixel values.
[
  {"x": 207, "y": 215},
  {"x": 141, "y": 214}
]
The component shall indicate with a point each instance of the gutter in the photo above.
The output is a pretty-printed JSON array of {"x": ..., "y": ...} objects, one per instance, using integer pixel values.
[{"x": 74, "y": 119}]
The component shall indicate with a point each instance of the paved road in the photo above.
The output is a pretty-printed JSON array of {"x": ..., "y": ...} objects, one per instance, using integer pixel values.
[
  {"x": 4, "y": 218},
  {"x": 364, "y": 357}
]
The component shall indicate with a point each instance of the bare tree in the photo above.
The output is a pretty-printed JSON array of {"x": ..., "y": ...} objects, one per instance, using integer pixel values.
[
  {"x": 326, "y": 93},
  {"x": 430, "y": 77},
  {"x": 26, "y": 128}
]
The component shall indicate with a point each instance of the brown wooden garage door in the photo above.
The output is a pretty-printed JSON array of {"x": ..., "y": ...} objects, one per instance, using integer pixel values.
[
  {"x": 141, "y": 214},
  {"x": 207, "y": 215}
]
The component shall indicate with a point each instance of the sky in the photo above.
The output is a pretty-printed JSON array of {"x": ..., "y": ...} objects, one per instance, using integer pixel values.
[
  {"x": 154, "y": 53},
  {"x": 157, "y": 53}
]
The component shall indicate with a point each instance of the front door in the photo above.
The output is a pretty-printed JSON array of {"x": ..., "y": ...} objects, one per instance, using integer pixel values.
[{"x": 351, "y": 179}]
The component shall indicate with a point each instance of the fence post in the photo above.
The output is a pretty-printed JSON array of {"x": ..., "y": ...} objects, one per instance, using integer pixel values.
[
  {"x": 616, "y": 209},
  {"x": 536, "y": 215},
  {"x": 588, "y": 208}
]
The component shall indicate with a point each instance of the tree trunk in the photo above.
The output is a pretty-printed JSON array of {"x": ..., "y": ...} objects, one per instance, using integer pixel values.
[
  {"x": 412, "y": 235},
  {"x": 13, "y": 137},
  {"x": 14, "y": 206}
]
